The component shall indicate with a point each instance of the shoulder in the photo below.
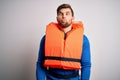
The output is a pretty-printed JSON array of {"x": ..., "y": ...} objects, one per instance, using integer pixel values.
[
  {"x": 85, "y": 41},
  {"x": 85, "y": 38},
  {"x": 43, "y": 39}
]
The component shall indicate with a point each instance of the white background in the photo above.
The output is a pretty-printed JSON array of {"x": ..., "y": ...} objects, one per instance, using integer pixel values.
[{"x": 23, "y": 22}]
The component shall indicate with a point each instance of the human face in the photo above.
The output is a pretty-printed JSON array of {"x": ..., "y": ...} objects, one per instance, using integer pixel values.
[{"x": 65, "y": 18}]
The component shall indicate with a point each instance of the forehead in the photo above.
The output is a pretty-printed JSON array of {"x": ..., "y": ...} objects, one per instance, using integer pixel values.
[{"x": 63, "y": 10}]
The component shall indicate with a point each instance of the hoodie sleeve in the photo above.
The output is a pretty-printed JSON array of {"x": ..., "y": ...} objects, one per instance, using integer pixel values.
[
  {"x": 86, "y": 60},
  {"x": 40, "y": 70}
]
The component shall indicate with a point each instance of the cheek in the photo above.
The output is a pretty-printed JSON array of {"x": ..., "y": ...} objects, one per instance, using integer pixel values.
[
  {"x": 57, "y": 19},
  {"x": 70, "y": 18}
]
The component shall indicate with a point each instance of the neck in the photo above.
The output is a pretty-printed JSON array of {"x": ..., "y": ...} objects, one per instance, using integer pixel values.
[{"x": 67, "y": 29}]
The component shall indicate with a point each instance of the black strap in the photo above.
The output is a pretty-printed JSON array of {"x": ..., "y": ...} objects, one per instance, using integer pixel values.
[
  {"x": 60, "y": 76},
  {"x": 62, "y": 59}
]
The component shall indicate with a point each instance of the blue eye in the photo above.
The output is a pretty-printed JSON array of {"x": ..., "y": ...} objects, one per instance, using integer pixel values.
[
  {"x": 60, "y": 14},
  {"x": 67, "y": 13}
]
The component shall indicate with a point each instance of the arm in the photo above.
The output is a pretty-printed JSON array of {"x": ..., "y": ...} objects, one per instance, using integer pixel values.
[
  {"x": 40, "y": 70},
  {"x": 85, "y": 60}
]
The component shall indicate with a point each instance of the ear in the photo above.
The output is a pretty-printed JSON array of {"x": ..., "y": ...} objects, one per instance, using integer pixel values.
[
  {"x": 57, "y": 18},
  {"x": 73, "y": 18}
]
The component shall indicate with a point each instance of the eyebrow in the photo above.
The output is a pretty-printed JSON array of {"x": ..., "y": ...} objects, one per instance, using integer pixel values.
[
  {"x": 62, "y": 12},
  {"x": 67, "y": 12}
]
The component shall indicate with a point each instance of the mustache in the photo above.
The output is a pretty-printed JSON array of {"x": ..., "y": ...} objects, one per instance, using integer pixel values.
[{"x": 64, "y": 25}]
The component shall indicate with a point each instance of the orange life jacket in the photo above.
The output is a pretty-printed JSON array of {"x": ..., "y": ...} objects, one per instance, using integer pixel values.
[{"x": 60, "y": 52}]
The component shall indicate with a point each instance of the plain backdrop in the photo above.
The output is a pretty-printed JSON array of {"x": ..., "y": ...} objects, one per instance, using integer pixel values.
[{"x": 23, "y": 22}]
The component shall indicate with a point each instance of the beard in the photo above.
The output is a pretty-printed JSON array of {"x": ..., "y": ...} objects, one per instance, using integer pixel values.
[{"x": 65, "y": 24}]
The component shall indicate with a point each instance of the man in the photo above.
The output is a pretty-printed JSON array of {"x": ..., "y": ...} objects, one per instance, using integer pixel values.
[{"x": 64, "y": 50}]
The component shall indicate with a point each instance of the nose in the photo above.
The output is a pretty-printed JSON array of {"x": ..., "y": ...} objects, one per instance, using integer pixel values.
[{"x": 64, "y": 15}]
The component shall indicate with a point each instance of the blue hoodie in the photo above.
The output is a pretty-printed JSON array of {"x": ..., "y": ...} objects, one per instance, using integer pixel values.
[{"x": 42, "y": 73}]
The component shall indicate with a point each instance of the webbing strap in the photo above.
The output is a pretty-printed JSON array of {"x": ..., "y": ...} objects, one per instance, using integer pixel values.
[{"x": 62, "y": 59}]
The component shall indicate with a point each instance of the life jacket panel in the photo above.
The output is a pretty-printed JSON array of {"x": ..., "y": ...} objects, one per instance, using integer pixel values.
[{"x": 60, "y": 52}]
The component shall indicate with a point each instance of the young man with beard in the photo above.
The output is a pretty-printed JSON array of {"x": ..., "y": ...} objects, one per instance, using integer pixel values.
[{"x": 64, "y": 51}]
